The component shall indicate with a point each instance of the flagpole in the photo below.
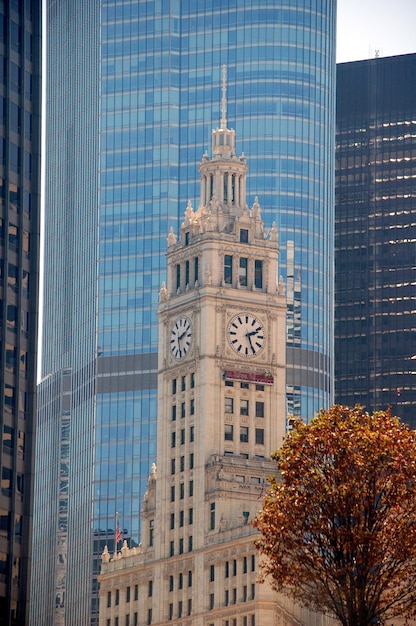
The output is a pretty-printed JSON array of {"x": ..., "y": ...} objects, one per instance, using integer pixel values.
[{"x": 115, "y": 536}]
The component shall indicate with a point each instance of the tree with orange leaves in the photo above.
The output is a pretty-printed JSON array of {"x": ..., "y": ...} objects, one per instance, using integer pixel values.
[{"x": 338, "y": 525}]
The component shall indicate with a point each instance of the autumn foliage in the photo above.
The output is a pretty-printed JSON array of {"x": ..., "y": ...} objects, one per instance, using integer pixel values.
[{"x": 338, "y": 526}]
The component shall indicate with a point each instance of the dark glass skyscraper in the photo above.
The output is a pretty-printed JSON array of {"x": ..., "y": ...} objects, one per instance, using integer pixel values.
[
  {"x": 20, "y": 92},
  {"x": 375, "y": 298},
  {"x": 134, "y": 89}
]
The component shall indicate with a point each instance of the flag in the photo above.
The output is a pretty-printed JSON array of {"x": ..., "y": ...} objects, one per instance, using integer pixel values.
[{"x": 118, "y": 533}]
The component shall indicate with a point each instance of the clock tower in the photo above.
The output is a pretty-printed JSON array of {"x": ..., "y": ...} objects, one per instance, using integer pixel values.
[{"x": 221, "y": 414}]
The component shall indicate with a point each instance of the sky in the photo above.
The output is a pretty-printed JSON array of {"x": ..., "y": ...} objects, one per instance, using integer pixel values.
[{"x": 367, "y": 26}]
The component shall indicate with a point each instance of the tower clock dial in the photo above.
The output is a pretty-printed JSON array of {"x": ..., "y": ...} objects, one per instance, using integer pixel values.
[
  {"x": 181, "y": 337},
  {"x": 246, "y": 334}
]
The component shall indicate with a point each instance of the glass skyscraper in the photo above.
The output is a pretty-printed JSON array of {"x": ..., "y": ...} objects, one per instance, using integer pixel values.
[
  {"x": 134, "y": 89},
  {"x": 375, "y": 313},
  {"x": 20, "y": 104}
]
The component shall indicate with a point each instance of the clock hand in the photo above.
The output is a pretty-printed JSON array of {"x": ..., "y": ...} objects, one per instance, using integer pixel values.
[
  {"x": 184, "y": 333},
  {"x": 248, "y": 335}
]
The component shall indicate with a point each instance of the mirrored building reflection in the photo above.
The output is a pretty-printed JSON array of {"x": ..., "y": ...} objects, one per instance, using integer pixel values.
[{"x": 375, "y": 313}]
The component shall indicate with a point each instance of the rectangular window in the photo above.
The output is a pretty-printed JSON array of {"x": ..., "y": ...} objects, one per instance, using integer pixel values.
[
  {"x": 227, "y": 569},
  {"x": 253, "y": 591},
  {"x": 172, "y": 493},
  {"x": 180, "y": 580},
  {"x": 189, "y": 606},
  {"x": 253, "y": 563},
  {"x": 244, "y": 593},
  {"x": 183, "y": 383},
  {"x": 127, "y": 620},
  {"x": 258, "y": 274},
  {"x": 244, "y": 434},
  {"x": 228, "y": 432},
  {"x": 192, "y": 380},
  {"x": 136, "y": 592},
  {"x": 245, "y": 565},
  {"x": 150, "y": 589},
  {"x": 181, "y": 491},
  {"x": 172, "y": 466},
  {"x": 173, "y": 440},
  {"x": 181, "y": 519},
  {"x": 170, "y": 610},
  {"x": 151, "y": 541},
  {"x": 212, "y": 573},
  {"x": 183, "y": 411},
  {"x": 108, "y": 598},
  {"x": 135, "y": 619},
  {"x": 149, "y": 617},
  {"x": 228, "y": 269},
  {"x": 234, "y": 567},
  {"x": 191, "y": 488},
  {"x": 180, "y": 608},
  {"x": 212, "y": 516},
  {"x": 190, "y": 543},
  {"x": 172, "y": 548},
  {"x": 181, "y": 546},
  {"x": 259, "y": 387},
  {"x": 178, "y": 277},
  {"x": 229, "y": 383},
  {"x": 182, "y": 436},
  {"x": 172, "y": 521},
  {"x": 226, "y": 597},
  {"x": 192, "y": 407},
  {"x": 117, "y": 597},
  {"x": 186, "y": 273},
  {"x": 211, "y": 601},
  {"x": 174, "y": 413},
  {"x": 243, "y": 407},
  {"x": 260, "y": 436},
  {"x": 191, "y": 461},
  {"x": 182, "y": 464},
  {"x": 196, "y": 268},
  {"x": 243, "y": 235},
  {"x": 244, "y": 386},
  {"x": 174, "y": 386},
  {"x": 190, "y": 578},
  {"x": 191, "y": 516},
  {"x": 234, "y": 600},
  {"x": 243, "y": 272},
  {"x": 259, "y": 409},
  {"x": 191, "y": 434},
  {"x": 187, "y": 239},
  {"x": 229, "y": 405}
]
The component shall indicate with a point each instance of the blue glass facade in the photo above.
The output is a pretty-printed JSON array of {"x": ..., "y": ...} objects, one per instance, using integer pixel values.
[{"x": 142, "y": 91}]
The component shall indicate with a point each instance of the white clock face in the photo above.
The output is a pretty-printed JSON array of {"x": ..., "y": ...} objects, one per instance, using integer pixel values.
[
  {"x": 246, "y": 334},
  {"x": 181, "y": 337}
]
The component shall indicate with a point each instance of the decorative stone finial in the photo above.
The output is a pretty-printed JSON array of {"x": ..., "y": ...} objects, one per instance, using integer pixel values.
[
  {"x": 256, "y": 208},
  {"x": 171, "y": 237},
  {"x": 188, "y": 211},
  {"x": 273, "y": 232},
  {"x": 105, "y": 557},
  {"x": 163, "y": 293}
]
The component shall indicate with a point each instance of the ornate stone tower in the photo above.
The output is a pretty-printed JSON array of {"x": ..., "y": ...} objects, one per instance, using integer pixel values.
[{"x": 221, "y": 399}]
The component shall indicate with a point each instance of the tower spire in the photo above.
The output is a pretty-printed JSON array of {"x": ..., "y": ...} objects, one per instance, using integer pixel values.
[
  {"x": 223, "y": 139},
  {"x": 224, "y": 98}
]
